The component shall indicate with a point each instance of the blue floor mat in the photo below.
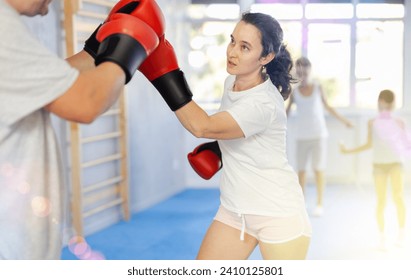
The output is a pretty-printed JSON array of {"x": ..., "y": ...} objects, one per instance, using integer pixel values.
[{"x": 171, "y": 230}]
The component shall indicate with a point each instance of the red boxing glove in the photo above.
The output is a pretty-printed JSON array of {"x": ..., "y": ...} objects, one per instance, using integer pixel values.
[
  {"x": 162, "y": 61},
  {"x": 126, "y": 41},
  {"x": 146, "y": 10},
  {"x": 162, "y": 70},
  {"x": 206, "y": 159}
]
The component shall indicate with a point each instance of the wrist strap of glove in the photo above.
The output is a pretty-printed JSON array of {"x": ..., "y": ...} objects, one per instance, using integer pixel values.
[
  {"x": 212, "y": 146},
  {"x": 174, "y": 89},
  {"x": 91, "y": 45},
  {"x": 123, "y": 50}
]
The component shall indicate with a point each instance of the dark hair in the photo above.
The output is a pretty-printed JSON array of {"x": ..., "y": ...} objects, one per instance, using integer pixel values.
[
  {"x": 272, "y": 41},
  {"x": 303, "y": 61},
  {"x": 387, "y": 96}
]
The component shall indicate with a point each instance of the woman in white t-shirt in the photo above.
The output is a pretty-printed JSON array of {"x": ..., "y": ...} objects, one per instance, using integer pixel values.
[
  {"x": 261, "y": 200},
  {"x": 311, "y": 130}
]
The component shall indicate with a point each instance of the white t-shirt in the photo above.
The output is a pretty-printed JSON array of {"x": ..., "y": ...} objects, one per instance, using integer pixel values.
[
  {"x": 31, "y": 181},
  {"x": 310, "y": 118},
  {"x": 256, "y": 176}
]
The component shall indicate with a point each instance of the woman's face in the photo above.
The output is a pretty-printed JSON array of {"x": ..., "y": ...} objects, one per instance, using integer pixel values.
[
  {"x": 244, "y": 50},
  {"x": 30, "y": 7}
]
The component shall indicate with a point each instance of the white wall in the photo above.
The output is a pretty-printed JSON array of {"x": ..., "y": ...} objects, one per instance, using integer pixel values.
[
  {"x": 407, "y": 55},
  {"x": 156, "y": 139}
]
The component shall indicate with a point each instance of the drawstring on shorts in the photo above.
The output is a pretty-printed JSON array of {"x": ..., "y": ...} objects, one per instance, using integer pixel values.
[{"x": 242, "y": 226}]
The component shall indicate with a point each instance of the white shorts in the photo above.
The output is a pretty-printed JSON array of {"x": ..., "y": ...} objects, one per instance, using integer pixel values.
[
  {"x": 264, "y": 228},
  {"x": 316, "y": 150}
]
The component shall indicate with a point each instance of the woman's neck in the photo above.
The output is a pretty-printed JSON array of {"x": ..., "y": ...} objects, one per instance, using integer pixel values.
[{"x": 245, "y": 83}]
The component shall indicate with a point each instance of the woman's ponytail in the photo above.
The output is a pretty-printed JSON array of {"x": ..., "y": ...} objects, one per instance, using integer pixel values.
[{"x": 279, "y": 71}]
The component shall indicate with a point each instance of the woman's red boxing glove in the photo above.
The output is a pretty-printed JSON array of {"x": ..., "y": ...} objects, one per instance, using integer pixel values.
[{"x": 206, "y": 159}]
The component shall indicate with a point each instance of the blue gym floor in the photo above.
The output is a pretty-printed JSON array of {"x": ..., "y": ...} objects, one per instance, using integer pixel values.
[{"x": 173, "y": 229}]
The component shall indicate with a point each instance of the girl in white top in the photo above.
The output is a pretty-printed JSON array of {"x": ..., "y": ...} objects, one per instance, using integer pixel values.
[
  {"x": 311, "y": 131},
  {"x": 389, "y": 142},
  {"x": 261, "y": 200}
]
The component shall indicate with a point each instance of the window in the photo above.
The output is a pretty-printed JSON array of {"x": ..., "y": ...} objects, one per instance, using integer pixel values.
[
  {"x": 380, "y": 11},
  {"x": 209, "y": 38},
  {"x": 329, "y": 11},
  {"x": 379, "y": 61},
  {"x": 328, "y": 49},
  {"x": 280, "y": 11}
]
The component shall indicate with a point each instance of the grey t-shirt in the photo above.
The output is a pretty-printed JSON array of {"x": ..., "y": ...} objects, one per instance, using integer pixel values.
[{"x": 31, "y": 180}]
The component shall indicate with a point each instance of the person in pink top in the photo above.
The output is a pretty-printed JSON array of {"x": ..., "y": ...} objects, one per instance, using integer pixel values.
[{"x": 388, "y": 139}]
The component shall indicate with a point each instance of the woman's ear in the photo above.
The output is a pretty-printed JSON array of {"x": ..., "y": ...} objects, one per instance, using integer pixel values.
[{"x": 267, "y": 59}]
